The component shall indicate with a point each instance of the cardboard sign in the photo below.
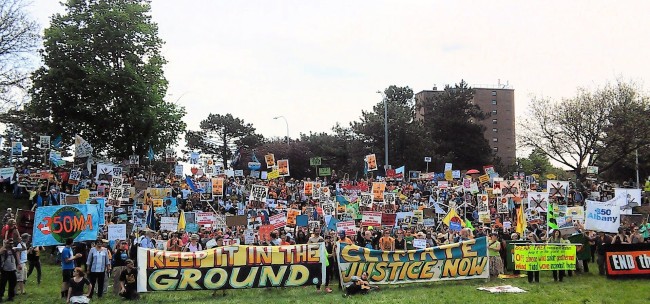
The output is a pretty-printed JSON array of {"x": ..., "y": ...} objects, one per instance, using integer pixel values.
[{"x": 278, "y": 220}]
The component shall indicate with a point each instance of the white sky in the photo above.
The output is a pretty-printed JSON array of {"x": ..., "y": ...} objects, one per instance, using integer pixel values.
[{"x": 321, "y": 62}]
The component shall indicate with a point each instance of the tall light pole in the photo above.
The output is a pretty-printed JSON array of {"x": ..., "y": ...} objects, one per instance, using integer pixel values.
[
  {"x": 286, "y": 123},
  {"x": 385, "y": 130}
]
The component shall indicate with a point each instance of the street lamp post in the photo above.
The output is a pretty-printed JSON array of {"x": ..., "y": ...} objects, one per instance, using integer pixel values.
[
  {"x": 286, "y": 123},
  {"x": 385, "y": 129}
]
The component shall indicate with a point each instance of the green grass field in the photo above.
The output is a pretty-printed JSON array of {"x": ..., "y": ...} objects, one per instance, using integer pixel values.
[{"x": 584, "y": 288}]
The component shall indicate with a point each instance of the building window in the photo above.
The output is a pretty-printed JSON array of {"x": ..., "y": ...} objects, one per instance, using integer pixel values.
[
  {"x": 494, "y": 121},
  {"x": 495, "y": 130},
  {"x": 494, "y": 112},
  {"x": 494, "y": 93},
  {"x": 495, "y": 149},
  {"x": 494, "y": 139},
  {"x": 494, "y": 102}
]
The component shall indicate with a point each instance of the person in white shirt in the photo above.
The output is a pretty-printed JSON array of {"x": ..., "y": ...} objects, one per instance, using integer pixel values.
[
  {"x": 147, "y": 241},
  {"x": 21, "y": 275}
]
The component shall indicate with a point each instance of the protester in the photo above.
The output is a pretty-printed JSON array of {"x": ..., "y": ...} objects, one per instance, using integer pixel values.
[
  {"x": 98, "y": 264},
  {"x": 21, "y": 275},
  {"x": 34, "y": 260},
  {"x": 533, "y": 276},
  {"x": 77, "y": 283},
  {"x": 556, "y": 238},
  {"x": 10, "y": 261},
  {"x": 128, "y": 282},
  {"x": 494, "y": 249},
  {"x": 120, "y": 257},
  {"x": 67, "y": 266}
]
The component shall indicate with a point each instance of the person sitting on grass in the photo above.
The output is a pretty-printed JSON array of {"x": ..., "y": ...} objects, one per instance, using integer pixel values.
[
  {"x": 76, "y": 285},
  {"x": 359, "y": 285}
]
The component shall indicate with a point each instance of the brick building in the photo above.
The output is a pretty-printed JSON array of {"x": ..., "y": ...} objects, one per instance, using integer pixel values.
[{"x": 499, "y": 105}]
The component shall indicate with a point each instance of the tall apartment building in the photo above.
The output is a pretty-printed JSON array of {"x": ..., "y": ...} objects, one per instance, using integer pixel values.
[{"x": 499, "y": 105}]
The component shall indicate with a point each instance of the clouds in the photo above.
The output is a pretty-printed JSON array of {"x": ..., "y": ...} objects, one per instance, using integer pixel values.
[{"x": 317, "y": 63}]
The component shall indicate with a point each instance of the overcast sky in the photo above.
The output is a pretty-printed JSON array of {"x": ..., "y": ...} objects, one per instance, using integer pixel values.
[{"x": 321, "y": 62}]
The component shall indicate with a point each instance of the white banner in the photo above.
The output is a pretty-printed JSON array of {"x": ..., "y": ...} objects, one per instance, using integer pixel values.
[
  {"x": 603, "y": 216},
  {"x": 205, "y": 218},
  {"x": 371, "y": 218}
]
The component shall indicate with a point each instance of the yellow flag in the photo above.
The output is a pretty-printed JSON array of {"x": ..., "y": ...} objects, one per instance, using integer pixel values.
[
  {"x": 181, "y": 221},
  {"x": 521, "y": 221},
  {"x": 451, "y": 214}
]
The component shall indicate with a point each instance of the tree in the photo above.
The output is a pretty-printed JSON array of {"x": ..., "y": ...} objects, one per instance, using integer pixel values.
[
  {"x": 598, "y": 128},
  {"x": 19, "y": 39},
  {"x": 404, "y": 142},
  {"x": 102, "y": 79},
  {"x": 222, "y": 135},
  {"x": 451, "y": 128}
]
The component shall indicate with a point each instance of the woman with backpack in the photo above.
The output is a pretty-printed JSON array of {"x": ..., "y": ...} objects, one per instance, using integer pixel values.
[{"x": 193, "y": 245}]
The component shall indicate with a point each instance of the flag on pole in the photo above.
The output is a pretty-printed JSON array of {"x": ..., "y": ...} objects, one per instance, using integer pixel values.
[
  {"x": 181, "y": 221},
  {"x": 521, "y": 221},
  {"x": 82, "y": 147},
  {"x": 151, "y": 154},
  {"x": 57, "y": 142}
]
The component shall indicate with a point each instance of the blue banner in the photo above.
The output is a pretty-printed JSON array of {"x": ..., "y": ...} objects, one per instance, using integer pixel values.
[{"x": 54, "y": 224}]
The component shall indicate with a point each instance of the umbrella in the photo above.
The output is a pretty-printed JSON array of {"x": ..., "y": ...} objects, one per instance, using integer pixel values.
[{"x": 472, "y": 171}]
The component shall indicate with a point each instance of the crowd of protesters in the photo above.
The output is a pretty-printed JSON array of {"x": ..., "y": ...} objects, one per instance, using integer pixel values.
[{"x": 90, "y": 268}]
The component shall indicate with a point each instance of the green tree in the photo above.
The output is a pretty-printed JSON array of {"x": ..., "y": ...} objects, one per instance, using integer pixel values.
[
  {"x": 451, "y": 128},
  {"x": 404, "y": 142},
  {"x": 222, "y": 135},
  {"x": 19, "y": 40},
  {"x": 600, "y": 128},
  {"x": 103, "y": 80}
]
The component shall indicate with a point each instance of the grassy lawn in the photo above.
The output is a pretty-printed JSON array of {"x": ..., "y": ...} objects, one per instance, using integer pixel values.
[{"x": 585, "y": 288}]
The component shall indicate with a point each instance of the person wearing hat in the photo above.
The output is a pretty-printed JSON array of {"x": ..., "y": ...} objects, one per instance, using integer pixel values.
[
  {"x": 441, "y": 239},
  {"x": 98, "y": 263},
  {"x": 129, "y": 281},
  {"x": 193, "y": 245},
  {"x": 147, "y": 240},
  {"x": 21, "y": 275},
  {"x": 345, "y": 239}
]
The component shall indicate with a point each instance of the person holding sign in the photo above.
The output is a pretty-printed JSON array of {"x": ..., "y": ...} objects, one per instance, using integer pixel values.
[{"x": 533, "y": 275}]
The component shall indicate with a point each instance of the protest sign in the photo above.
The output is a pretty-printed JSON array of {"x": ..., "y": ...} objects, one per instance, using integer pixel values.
[
  {"x": 270, "y": 160},
  {"x": 234, "y": 267},
  {"x": 264, "y": 233},
  {"x": 388, "y": 219},
  {"x": 116, "y": 232},
  {"x": 603, "y": 216},
  {"x": 178, "y": 170},
  {"x": 292, "y": 214},
  {"x": 627, "y": 260},
  {"x": 346, "y": 226},
  {"x": 538, "y": 201},
  {"x": 283, "y": 167},
  {"x": 205, "y": 218},
  {"x": 54, "y": 224},
  {"x": 236, "y": 220},
  {"x": 217, "y": 186},
  {"x": 278, "y": 220},
  {"x": 249, "y": 236},
  {"x": 8, "y": 174},
  {"x": 420, "y": 243},
  {"x": 538, "y": 257},
  {"x": 371, "y": 218},
  {"x": 308, "y": 188},
  {"x": 139, "y": 219},
  {"x": 192, "y": 227},
  {"x": 258, "y": 193},
  {"x": 168, "y": 223},
  {"x": 378, "y": 190},
  {"x": 219, "y": 221},
  {"x": 629, "y": 198},
  {"x": 371, "y": 162},
  {"x": 464, "y": 260}
]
